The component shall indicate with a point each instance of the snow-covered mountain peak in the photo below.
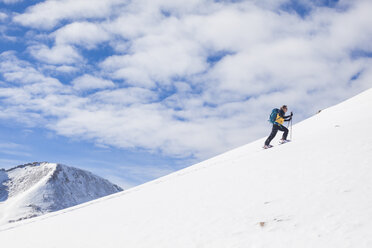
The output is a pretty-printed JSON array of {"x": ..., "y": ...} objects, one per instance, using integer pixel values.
[
  {"x": 3, "y": 177},
  {"x": 23, "y": 177},
  {"x": 36, "y": 188}
]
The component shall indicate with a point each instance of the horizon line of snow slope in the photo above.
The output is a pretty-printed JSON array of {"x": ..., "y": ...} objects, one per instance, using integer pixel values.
[{"x": 312, "y": 192}]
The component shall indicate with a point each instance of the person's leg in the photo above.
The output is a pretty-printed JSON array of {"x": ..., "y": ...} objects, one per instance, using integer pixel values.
[
  {"x": 285, "y": 130},
  {"x": 272, "y": 135}
]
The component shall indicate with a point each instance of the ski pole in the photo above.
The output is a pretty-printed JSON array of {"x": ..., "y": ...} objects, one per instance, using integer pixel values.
[{"x": 291, "y": 126}]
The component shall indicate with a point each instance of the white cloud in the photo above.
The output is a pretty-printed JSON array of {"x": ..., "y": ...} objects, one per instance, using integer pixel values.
[
  {"x": 3, "y": 16},
  {"x": 157, "y": 59},
  {"x": 49, "y": 13},
  {"x": 89, "y": 82},
  {"x": 125, "y": 96},
  {"x": 83, "y": 34},
  {"x": 60, "y": 69},
  {"x": 60, "y": 54},
  {"x": 11, "y": 1},
  {"x": 20, "y": 72}
]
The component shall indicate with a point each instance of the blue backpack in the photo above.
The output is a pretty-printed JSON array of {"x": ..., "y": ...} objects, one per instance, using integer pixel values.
[{"x": 273, "y": 115}]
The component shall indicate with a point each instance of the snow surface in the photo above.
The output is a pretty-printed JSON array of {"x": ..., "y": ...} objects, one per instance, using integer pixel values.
[
  {"x": 34, "y": 189},
  {"x": 312, "y": 192}
]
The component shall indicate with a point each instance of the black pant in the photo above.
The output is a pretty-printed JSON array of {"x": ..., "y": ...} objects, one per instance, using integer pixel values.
[{"x": 274, "y": 131}]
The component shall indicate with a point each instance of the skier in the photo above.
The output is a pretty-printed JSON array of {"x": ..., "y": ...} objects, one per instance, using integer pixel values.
[{"x": 278, "y": 125}]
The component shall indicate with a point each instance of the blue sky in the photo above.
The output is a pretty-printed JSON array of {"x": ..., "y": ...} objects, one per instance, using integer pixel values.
[{"x": 133, "y": 90}]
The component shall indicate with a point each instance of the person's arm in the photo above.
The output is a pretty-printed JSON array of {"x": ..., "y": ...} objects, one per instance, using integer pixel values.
[{"x": 288, "y": 117}]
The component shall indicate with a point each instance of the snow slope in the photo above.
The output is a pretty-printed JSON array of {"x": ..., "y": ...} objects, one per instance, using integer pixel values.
[
  {"x": 313, "y": 192},
  {"x": 34, "y": 189}
]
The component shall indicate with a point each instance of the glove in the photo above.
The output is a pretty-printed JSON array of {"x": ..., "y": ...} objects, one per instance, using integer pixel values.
[{"x": 291, "y": 113}]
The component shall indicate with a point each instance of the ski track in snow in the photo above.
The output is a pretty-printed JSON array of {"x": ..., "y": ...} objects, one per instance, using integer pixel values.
[{"x": 312, "y": 192}]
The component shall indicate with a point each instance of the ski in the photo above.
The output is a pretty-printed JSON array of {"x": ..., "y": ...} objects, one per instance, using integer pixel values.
[{"x": 281, "y": 142}]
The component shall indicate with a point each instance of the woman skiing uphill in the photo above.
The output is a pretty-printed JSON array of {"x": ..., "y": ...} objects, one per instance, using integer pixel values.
[{"x": 278, "y": 125}]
